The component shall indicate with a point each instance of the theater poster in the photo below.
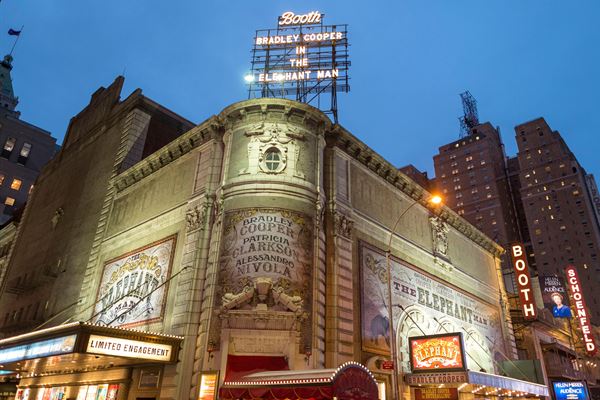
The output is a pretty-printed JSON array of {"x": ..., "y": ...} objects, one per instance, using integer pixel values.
[
  {"x": 439, "y": 307},
  {"x": 133, "y": 287},
  {"x": 555, "y": 296},
  {"x": 267, "y": 243}
]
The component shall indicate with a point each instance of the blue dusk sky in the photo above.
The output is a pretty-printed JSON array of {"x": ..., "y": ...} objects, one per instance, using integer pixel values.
[{"x": 521, "y": 59}]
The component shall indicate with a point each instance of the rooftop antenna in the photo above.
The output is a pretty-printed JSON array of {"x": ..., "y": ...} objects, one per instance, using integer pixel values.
[{"x": 470, "y": 118}]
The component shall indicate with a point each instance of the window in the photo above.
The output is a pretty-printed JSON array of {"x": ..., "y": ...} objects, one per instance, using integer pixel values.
[
  {"x": 9, "y": 201},
  {"x": 24, "y": 154},
  {"x": 25, "y": 150},
  {"x": 1, "y": 179},
  {"x": 272, "y": 159},
  {"x": 9, "y": 145},
  {"x": 454, "y": 171},
  {"x": 16, "y": 184}
]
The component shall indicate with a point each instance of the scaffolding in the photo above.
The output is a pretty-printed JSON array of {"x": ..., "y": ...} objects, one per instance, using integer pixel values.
[
  {"x": 276, "y": 72},
  {"x": 470, "y": 118}
]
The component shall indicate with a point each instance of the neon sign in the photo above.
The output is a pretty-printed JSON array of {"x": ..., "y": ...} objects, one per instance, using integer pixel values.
[
  {"x": 301, "y": 59},
  {"x": 519, "y": 260},
  {"x": 580, "y": 310},
  {"x": 289, "y": 18}
]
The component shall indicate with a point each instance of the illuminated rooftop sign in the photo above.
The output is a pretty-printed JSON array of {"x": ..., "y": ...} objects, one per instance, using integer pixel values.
[{"x": 301, "y": 59}]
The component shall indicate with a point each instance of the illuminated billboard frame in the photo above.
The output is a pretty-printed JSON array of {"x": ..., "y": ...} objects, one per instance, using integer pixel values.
[
  {"x": 301, "y": 59},
  {"x": 570, "y": 390},
  {"x": 438, "y": 342}
]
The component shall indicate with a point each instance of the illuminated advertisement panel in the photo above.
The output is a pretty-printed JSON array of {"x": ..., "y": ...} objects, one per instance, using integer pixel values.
[
  {"x": 112, "y": 346},
  {"x": 426, "y": 298},
  {"x": 554, "y": 294},
  {"x": 437, "y": 352},
  {"x": 570, "y": 390},
  {"x": 208, "y": 385},
  {"x": 523, "y": 278},
  {"x": 43, "y": 348},
  {"x": 581, "y": 310},
  {"x": 436, "y": 393},
  {"x": 133, "y": 287}
]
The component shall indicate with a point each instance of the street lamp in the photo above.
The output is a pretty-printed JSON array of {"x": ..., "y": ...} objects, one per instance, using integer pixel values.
[{"x": 434, "y": 200}]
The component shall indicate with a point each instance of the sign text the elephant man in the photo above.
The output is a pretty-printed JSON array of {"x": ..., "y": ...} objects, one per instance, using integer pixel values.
[{"x": 301, "y": 59}]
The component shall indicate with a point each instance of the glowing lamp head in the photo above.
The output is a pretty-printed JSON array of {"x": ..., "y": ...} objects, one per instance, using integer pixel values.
[
  {"x": 249, "y": 78},
  {"x": 435, "y": 200}
]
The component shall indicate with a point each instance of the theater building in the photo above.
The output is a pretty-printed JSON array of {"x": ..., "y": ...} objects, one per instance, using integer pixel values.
[{"x": 248, "y": 257}]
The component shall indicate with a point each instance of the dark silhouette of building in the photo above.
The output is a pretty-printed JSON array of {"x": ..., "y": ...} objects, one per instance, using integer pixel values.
[{"x": 25, "y": 149}]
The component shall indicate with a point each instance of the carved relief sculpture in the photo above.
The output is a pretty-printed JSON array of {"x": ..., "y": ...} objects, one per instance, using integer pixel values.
[{"x": 440, "y": 236}]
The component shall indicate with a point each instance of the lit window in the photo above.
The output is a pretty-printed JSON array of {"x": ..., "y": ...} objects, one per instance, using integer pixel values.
[
  {"x": 16, "y": 184},
  {"x": 9, "y": 145},
  {"x": 461, "y": 212},
  {"x": 474, "y": 190},
  {"x": 562, "y": 228},
  {"x": 482, "y": 162},
  {"x": 575, "y": 192},
  {"x": 454, "y": 171},
  {"x": 470, "y": 166},
  {"x": 469, "y": 158},
  {"x": 458, "y": 195},
  {"x": 562, "y": 183},
  {"x": 454, "y": 164},
  {"x": 538, "y": 231},
  {"x": 1, "y": 179},
  {"x": 25, "y": 150},
  {"x": 30, "y": 189},
  {"x": 457, "y": 187},
  {"x": 494, "y": 222},
  {"x": 9, "y": 201},
  {"x": 489, "y": 195}
]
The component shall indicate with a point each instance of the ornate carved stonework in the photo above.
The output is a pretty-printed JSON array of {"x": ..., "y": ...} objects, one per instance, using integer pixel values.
[
  {"x": 272, "y": 149},
  {"x": 440, "y": 236},
  {"x": 195, "y": 217},
  {"x": 58, "y": 214},
  {"x": 343, "y": 225}
]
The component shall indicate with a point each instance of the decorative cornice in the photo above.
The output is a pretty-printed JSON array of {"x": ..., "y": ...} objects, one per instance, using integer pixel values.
[
  {"x": 212, "y": 128},
  {"x": 339, "y": 137},
  {"x": 275, "y": 110}
]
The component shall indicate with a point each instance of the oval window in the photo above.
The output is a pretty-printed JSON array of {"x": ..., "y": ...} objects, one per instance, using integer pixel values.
[{"x": 273, "y": 159}]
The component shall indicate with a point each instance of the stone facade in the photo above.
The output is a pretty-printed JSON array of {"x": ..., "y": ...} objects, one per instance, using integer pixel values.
[{"x": 268, "y": 210}]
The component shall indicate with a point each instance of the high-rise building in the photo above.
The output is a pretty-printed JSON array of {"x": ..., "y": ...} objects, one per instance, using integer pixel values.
[
  {"x": 471, "y": 175},
  {"x": 25, "y": 149},
  {"x": 558, "y": 207}
]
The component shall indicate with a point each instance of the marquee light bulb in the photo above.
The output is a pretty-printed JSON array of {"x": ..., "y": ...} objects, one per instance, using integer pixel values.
[{"x": 249, "y": 78}]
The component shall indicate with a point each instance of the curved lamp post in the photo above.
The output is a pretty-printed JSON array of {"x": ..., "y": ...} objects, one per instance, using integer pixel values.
[{"x": 434, "y": 201}]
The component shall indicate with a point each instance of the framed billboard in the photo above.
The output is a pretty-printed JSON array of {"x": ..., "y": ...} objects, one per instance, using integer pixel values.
[
  {"x": 133, "y": 286},
  {"x": 444, "y": 352},
  {"x": 570, "y": 390}
]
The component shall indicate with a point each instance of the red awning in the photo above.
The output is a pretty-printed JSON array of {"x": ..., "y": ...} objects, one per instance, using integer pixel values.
[
  {"x": 239, "y": 366},
  {"x": 351, "y": 381}
]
